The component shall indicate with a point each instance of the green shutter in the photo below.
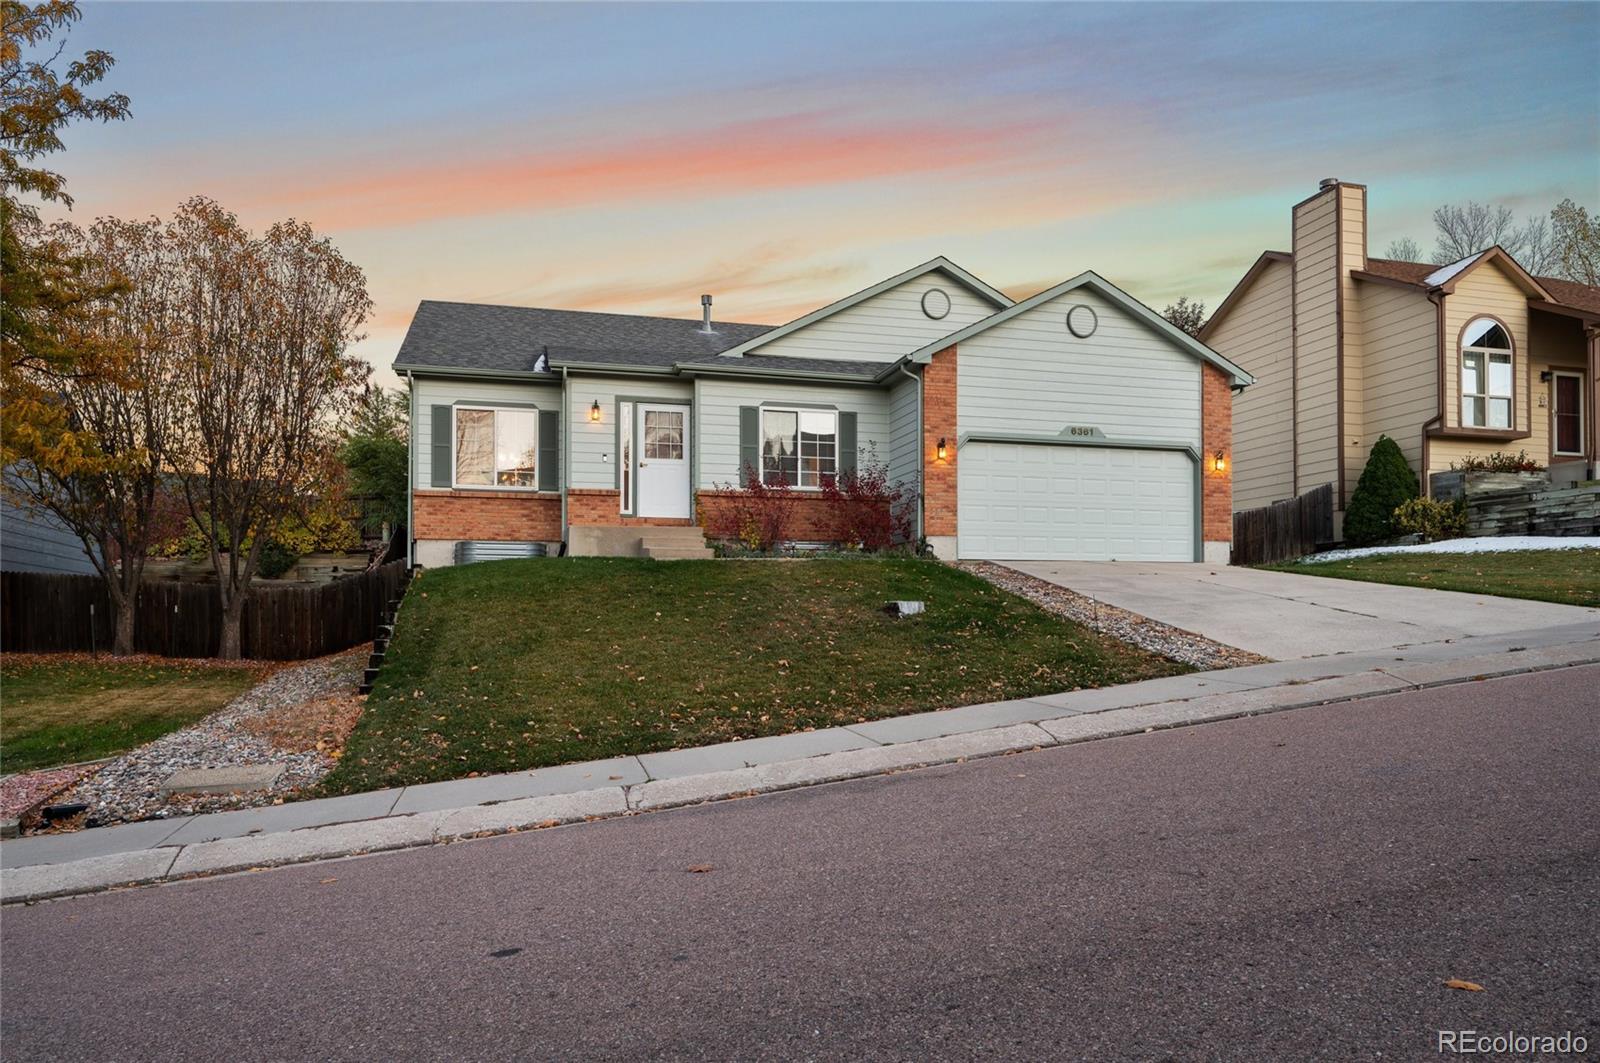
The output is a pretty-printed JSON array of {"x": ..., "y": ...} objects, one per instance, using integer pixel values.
[
  {"x": 847, "y": 442},
  {"x": 443, "y": 475},
  {"x": 749, "y": 442},
  {"x": 549, "y": 450}
]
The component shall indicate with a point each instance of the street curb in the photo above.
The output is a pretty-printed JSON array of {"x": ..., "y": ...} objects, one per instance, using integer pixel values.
[{"x": 38, "y": 882}]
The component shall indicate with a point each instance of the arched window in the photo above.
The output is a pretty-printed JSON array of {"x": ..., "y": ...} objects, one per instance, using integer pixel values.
[{"x": 1485, "y": 375}]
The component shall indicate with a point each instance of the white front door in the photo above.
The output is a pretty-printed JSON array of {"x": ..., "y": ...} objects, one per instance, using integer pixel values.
[{"x": 663, "y": 449}]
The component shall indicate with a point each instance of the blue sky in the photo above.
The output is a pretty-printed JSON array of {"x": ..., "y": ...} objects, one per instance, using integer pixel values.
[{"x": 627, "y": 157}]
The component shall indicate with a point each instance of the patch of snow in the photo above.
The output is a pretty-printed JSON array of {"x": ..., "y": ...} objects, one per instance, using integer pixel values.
[
  {"x": 1480, "y": 545},
  {"x": 1443, "y": 274}
]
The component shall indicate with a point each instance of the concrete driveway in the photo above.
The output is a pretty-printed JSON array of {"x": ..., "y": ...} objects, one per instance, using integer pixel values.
[{"x": 1285, "y": 616}]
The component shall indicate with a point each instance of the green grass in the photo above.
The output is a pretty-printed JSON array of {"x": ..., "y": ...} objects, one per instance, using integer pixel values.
[
  {"x": 1571, "y": 577},
  {"x": 61, "y": 711},
  {"x": 511, "y": 665}
]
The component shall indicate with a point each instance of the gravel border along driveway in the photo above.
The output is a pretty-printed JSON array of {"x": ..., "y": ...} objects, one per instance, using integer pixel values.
[{"x": 1136, "y": 630}]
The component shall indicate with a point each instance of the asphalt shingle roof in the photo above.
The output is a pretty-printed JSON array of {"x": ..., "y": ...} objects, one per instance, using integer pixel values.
[
  {"x": 784, "y": 361},
  {"x": 511, "y": 338},
  {"x": 1567, "y": 293}
]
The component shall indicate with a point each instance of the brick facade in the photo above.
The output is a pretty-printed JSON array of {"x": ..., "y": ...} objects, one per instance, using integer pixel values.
[
  {"x": 939, "y": 422},
  {"x": 487, "y": 515},
  {"x": 599, "y": 507},
  {"x": 1216, "y": 429},
  {"x": 810, "y": 519}
]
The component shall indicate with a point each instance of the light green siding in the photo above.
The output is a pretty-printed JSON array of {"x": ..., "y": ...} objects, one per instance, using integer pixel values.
[
  {"x": 884, "y": 327},
  {"x": 904, "y": 432},
  {"x": 594, "y": 445},
  {"x": 431, "y": 392},
  {"x": 718, "y": 419},
  {"x": 1031, "y": 376}
]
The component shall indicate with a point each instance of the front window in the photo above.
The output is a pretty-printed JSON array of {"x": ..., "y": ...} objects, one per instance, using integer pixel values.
[
  {"x": 496, "y": 448},
  {"x": 1485, "y": 375},
  {"x": 799, "y": 447}
]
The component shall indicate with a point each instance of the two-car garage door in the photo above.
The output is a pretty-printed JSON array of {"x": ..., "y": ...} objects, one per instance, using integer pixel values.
[{"x": 1041, "y": 502}]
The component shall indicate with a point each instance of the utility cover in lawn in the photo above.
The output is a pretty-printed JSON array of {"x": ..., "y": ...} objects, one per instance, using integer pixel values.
[{"x": 509, "y": 665}]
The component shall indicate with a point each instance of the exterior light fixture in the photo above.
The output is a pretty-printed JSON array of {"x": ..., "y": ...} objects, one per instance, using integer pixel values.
[
  {"x": 1219, "y": 462},
  {"x": 941, "y": 450},
  {"x": 594, "y": 412}
]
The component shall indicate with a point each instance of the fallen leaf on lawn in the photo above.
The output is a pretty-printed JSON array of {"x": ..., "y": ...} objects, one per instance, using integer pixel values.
[
  {"x": 699, "y": 869},
  {"x": 1457, "y": 983}
]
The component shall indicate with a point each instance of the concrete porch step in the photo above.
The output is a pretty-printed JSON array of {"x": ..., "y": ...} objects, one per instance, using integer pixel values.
[
  {"x": 675, "y": 536},
  {"x": 666, "y": 544},
  {"x": 678, "y": 553}
]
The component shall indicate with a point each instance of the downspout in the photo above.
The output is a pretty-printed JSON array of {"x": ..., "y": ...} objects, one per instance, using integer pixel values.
[
  {"x": 411, "y": 474},
  {"x": 566, "y": 458},
  {"x": 1437, "y": 420},
  {"x": 922, "y": 451}
]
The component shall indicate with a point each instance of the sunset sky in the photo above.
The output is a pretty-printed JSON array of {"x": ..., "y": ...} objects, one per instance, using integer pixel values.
[{"x": 627, "y": 158}]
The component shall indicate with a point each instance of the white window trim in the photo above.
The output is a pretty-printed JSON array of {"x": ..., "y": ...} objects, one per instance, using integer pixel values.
[
  {"x": 1583, "y": 426},
  {"x": 798, "y": 411},
  {"x": 455, "y": 485},
  {"x": 1488, "y": 393}
]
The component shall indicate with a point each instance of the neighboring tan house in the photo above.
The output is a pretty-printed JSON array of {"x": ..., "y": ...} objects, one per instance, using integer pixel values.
[
  {"x": 1075, "y": 424},
  {"x": 1448, "y": 361}
]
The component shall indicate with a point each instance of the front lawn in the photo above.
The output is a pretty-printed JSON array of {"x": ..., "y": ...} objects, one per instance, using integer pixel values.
[
  {"x": 61, "y": 710},
  {"x": 509, "y": 665},
  {"x": 1571, "y": 577}
]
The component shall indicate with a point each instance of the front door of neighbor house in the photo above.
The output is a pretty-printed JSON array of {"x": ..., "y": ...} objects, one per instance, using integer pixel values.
[
  {"x": 663, "y": 449},
  {"x": 1566, "y": 418}
]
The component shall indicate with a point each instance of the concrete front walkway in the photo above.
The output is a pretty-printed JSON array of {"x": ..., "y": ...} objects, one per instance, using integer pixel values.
[
  {"x": 1286, "y": 616},
  {"x": 187, "y": 846}
]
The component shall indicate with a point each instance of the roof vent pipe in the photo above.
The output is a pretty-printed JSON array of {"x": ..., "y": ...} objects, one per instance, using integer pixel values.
[
  {"x": 705, "y": 314},
  {"x": 1326, "y": 183}
]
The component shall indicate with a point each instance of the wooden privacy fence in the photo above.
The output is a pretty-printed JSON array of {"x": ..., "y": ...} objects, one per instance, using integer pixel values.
[
  {"x": 44, "y": 612},
  {"x": 1284, "y": 530}
]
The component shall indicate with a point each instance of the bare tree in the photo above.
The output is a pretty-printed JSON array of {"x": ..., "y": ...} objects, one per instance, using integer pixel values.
[
  {"x": 1576, "y": 243},
  {"x": 1404, "y": 249},
  {"x": 111, "y": 486},
  {"x": 1464, "y": 229},
  {"x": 1190, "y": 317},
  {"x": 269, "y": 321}
]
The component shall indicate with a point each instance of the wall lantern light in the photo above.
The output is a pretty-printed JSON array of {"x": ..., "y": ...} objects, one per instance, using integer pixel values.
[
  {"x": 941, "y": 449},
  {"x": 594, "y": 412},
  {"x": 1219, "y": 462}
]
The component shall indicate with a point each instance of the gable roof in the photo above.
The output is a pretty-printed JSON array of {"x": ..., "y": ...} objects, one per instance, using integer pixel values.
[
  {"x": 1571, "y": 294},
  {"x": 479, "y": 337},
  {"x": 1093, "y": 281},
  {"x": 1266, "y": 259},
  {"x": 940, "y": 265}
]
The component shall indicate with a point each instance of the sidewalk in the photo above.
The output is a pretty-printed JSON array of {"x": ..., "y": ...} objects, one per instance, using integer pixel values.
[{"x": 162, "y": 850}]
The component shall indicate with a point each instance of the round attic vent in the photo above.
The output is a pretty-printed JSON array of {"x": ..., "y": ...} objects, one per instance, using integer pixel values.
[
  {"x": 1082, "y": 321},
  {"x": 935, "y": 303}
]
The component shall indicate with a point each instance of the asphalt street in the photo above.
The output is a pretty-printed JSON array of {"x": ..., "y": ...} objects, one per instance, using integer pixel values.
[{"x": 1293, "y": 886}]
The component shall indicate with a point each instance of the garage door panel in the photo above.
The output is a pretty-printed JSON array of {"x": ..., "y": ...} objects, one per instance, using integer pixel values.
[{"x": 1041, "y": 502}]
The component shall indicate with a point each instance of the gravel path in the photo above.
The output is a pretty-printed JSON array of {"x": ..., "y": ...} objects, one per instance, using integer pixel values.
[
  {"x": 1141, "y": 631},
  {"x": 250, "y": 729}
]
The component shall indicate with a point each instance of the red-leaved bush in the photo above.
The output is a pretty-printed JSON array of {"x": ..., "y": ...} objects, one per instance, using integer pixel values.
[
  {"x": 756, "y": 515},
  {"x": 869, "y": 512}
]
